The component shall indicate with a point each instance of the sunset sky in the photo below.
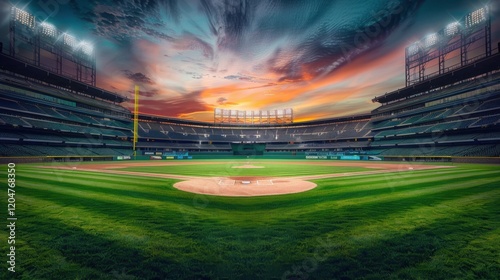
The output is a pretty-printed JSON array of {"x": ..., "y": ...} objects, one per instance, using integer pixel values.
[{"x": 322, "y": 58}]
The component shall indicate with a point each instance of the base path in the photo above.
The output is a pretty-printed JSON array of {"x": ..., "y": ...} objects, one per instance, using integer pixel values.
[{"x": 245, "y": 186}]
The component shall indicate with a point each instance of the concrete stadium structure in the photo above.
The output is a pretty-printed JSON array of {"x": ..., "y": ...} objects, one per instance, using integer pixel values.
[
  {"x": 43, "y": 118},
  {"x": 448, "y": 115}
]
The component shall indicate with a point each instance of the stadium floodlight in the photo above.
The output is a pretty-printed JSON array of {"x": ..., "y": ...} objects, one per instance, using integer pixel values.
[
  {"x": 452, "y": 28},
  {"x": 87, "y": 48},
  {"x": 476, "y": 17},
  {"x": 48, "y": 29},
  {"x": 413, "y": 49},
  {"x": 23, "y": 17},
  {"x": 69, "y": 40},
  {"x": 430, "y": 40}
]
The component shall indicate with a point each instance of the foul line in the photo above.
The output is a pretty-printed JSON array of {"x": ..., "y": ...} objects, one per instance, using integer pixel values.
[
  {"x": 265, "y": 182},
  {"x": 224, "y": 182}
]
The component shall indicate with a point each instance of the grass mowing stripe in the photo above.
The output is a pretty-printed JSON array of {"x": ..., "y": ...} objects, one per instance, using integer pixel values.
[
  {"x": 389, "y": 257},
  {"x": 446, "y": 186},
  {"x": 136, "y": 184},
  {"x": 378, "y": 206},
  {"x": 63, "y": 174},
  {"x": 415, "y": 217},
  {"x": 89, "y": 199},
  {"x": 342, "y": 202},
  {"x": 353, "y": 193},
  {"x": 157, "y": 195},
  {"x": 394, "y": 186},
  {"x": 374, "y": 183},
  {"x": 220, "y": 248},
  {"x": 348, "y": 242},
  {"x": 306, "y": 207},
  {"x": 358, "y": 240},
  {"x": 92, "y": 197},
  {"x": 328, "y": 195},
  {"x": 424, "y": 226},
  {"x": 360, "y": 179},
  {"x": 331, "y": 200},
  {"x": 110, "y": 228},
  {"x": 458, "y": 234},
  {"x": 90, "y": 249},
  {"x": 425, "y": 214}
]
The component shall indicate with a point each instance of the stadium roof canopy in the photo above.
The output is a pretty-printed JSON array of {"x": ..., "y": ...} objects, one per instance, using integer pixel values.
[{"x": 481, "y": 66}]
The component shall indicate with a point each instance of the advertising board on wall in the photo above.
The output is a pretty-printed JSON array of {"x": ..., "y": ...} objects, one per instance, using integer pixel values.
[{"x": 316, "y": 157}]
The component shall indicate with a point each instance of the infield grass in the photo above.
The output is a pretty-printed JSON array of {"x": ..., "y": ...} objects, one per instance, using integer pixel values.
[
  {"x": 432, "y": 224},
  {"x": 231, "y": 169}
]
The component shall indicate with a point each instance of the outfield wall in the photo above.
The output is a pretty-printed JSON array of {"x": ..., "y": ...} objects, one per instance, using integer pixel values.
[
  {"x": 229, "y": 155},
  {"x": 493, "y": 160},
  {"x": 248, "y": 149},
  {"x": 55, "y": 159}
]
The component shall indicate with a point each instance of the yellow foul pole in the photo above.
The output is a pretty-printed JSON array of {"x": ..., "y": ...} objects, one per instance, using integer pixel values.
[{"x": 136, "y": 118}]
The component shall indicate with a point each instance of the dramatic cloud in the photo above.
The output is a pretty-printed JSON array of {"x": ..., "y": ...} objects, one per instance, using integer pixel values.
[
  {"x": 322, "y": 58},
  {"x": 146, "y": 93},
  {"x": 138, "y": 77},
  {"x": 221, "y": 100}
]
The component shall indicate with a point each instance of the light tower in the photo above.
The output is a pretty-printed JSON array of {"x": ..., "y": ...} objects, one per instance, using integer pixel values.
[
  {"x": 467, "y": 40},
  {"x": 41, "y": 43}
]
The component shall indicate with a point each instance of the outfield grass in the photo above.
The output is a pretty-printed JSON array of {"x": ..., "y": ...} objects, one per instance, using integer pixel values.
[
  {"x": 434, "y": 224},
  {"x": 228, "y": 169}
]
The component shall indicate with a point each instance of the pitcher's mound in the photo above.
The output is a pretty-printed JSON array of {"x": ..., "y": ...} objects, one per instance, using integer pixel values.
[
  {"x": 247, "y": 166},
  {"x": 245, "y": 186}
]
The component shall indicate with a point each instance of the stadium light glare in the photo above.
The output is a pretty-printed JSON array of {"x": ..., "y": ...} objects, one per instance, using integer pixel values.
[
  {"x": 69, "y": 40},
  {"x": 430, "y": 40},
  {"x": 48, "y": 29},
  {"x": 24, "y": 17},
  {"x": 452, "y": 28},
  {"x": 87, "y": 48},
  {"x": 476, "y": 17},
  {"x": 413, "y": 48}
]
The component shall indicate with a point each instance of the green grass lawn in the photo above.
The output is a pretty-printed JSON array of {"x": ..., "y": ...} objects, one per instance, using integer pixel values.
[
  {"x": 226, "y": 169},
  {"x": 435, "y": 224}
]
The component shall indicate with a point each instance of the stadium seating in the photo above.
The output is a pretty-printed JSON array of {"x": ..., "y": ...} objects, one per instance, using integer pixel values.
[
  {"x": 333, "y": 131},
  {"x": 40, "y": 120},
  {"x": 460, "y": 119}
]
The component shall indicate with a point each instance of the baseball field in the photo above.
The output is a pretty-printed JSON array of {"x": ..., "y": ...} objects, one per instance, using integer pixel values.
[{"x": 255, "y": 219}]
